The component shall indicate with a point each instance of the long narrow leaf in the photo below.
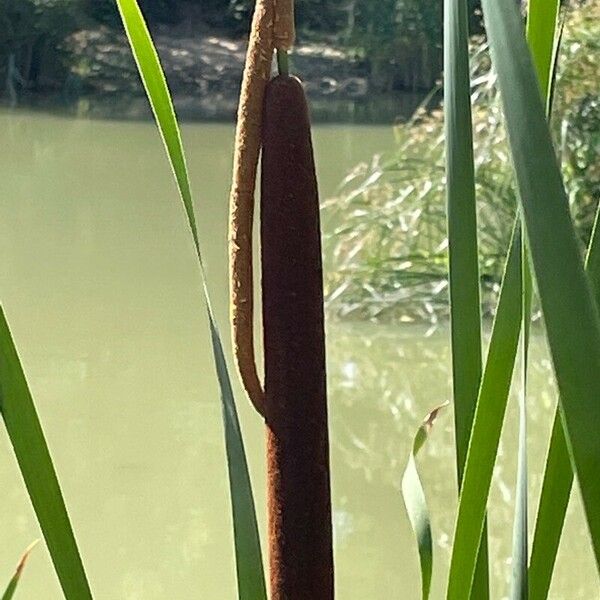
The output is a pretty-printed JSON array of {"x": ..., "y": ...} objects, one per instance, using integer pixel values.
[
  {"x": 519, "y": 585},
  {"x": 487, "y": 425},
  {"x": 558, "y": 473},
  {"x": 12, "y": 584},
  {"x": 541, "y": 25},
  {"x": 416, "y": 503},
  {"x": 554, "y": 499},
  {"x": 27, "y": 438},
  {"x": 465, "y": 315},
  {"x": 570, "y": 312},
  {"x": 542, "y": 20},
  {"x": 250, "y": 573}
]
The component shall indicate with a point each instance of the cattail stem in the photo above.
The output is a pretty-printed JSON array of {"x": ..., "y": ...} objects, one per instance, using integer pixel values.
[
  {"x": 299, "y": 501},
  {"x": 283, "y": 63}
]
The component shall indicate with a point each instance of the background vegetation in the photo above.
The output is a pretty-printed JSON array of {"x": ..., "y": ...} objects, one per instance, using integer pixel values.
[
  {"x": 399, "y": 42},
  {"x": 374, "y": 274}
]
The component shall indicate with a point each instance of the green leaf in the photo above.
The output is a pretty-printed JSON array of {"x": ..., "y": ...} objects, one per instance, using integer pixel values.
[
  {"x": 27, "y": 438},
  {"x": 540, "y": 37},
  {"x": 416, "y": 503},
  {"x": 519, "y": 586},
  {"x": 250, "y": 573},
  {"x": 542, "y": 20},
  {"x": 487, "y": 425},
  {"x": 558, "y": 473},
  {"x": 554, "y": 499},
  {"x": 12, "y": 584},
  {"x": 463, "y": 275},
  {"x": 570, "y": 312}
]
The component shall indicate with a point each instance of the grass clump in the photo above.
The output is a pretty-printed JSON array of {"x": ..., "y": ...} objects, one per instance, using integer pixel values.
[{"x": 387, "y": 246}]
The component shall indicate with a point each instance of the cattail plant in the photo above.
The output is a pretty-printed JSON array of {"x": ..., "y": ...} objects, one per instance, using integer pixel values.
[
  {"x": 273, "y": 115},
  {"x": 294, "y": 400}
]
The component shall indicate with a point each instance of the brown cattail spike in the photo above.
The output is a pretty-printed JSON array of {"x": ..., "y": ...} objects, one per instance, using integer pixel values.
[
  {"x": 247, "y": 146},
  {"x": 299, "y": 501}
]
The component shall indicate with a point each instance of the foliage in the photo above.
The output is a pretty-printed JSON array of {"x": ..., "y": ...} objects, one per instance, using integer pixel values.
[
  {"x": 399, "y": 40},
  {"x": 19, "y": 414},
  {"x": 577, "y": 113},
  {"x": 402, "y": 40},
  {"x": 32, "y": 32},
  {"x": 373, "y": 274},
  {"x": 14, "y": 582},
  {"x": 105, "y": 11}
]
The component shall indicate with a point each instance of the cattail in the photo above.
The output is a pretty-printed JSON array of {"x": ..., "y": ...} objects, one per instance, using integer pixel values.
[
  {"x": 284, "y": 30},
  {"x": 299, "y": 499},
  {"x": 247, "y": 147}
]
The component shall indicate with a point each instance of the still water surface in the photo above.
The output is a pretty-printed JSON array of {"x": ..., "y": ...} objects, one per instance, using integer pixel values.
[{"x": 99, "y": 283}]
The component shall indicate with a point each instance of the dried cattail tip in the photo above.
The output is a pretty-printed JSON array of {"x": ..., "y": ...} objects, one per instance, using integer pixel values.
[
  {"x": 247, "y": 147},
  {"x": 284, "y": 30}
]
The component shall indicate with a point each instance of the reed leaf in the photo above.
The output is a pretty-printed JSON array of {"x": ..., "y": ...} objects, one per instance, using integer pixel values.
[
  {"x": 552, "y": 508},
  {"x": 416, "y": 502},
  {"x": 520, "y": 550},
  {"x": 541, "y": 24},
  {"x": 29, "y": 444},
  {"x": 570, "y": 312},
  {"x": 250, "y": 572},
  {"x": 463, "y": 272},
  {"x": 558, "y": 472},
  {"x": 14, "y": 581},
  {"x": 487, "y": 425}
]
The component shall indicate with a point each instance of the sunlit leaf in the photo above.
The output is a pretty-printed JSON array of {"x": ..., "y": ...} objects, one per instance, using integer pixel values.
[
  {"x": 12, "y": 584},
  {"x": 250, "y": 573},
  {"x": 541, "y": 23},
  {"x": 463, "y": 271},
  {"x": 416, "y": 503},
  {"x": 569, "y": 308},
  {"x": 29, "y": 444},
  {"x": 558, "y": 472},
  {"x": 487, "y": 425}
]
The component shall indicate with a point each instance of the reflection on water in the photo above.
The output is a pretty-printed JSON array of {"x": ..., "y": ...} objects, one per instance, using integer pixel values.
[{"x": 98, "y": 280}]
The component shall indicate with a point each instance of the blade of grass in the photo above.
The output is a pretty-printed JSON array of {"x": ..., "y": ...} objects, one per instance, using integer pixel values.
[
  {"x": 520, "y": 549},
  {"x": 27, "y": 438},
  {"x": 558, "y": 473},
  {"x": 416, "y": 503},
  {"x": 487, "y": 424},
  {"x": 570, "y": 312},
  {"x": 465, "y": 315},
  {"x": 560, "y": 28},
  {"x": 554, "y": 499},
  {"x": 12, "y": 584},
  {"x": 250, "y": 572},
  {"x": 540, "y": 38},
  {"x": 542, "y": 21}
]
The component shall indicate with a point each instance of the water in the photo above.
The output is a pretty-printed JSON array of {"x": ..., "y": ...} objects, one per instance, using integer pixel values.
[{"x": 99, "y": 283}]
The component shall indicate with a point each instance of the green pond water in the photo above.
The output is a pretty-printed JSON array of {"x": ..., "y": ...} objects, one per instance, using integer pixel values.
[{"x": 100, "y": 286}]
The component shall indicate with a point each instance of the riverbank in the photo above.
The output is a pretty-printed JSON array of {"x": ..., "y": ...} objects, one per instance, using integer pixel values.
[{"x": 204, "y": 73}]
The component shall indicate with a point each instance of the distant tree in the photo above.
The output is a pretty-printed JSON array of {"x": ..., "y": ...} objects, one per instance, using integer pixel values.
[
  {"x": 31, "y": 34},
  {"x": 402, "y": 39}
]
